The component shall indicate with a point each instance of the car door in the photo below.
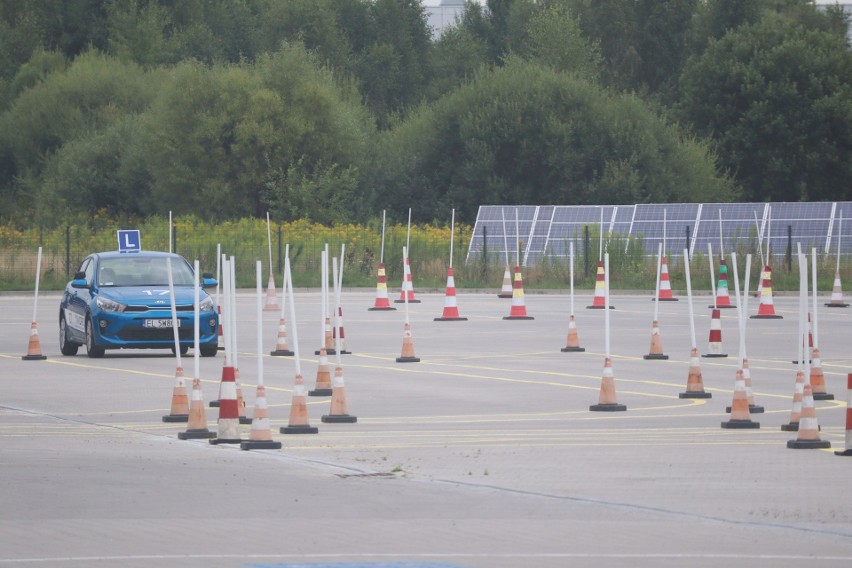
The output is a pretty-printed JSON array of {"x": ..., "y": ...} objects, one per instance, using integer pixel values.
[{"x": 77, "y": 302}]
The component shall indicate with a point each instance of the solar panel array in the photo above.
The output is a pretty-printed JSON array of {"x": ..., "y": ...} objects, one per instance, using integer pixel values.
[{"x": 530, "y": 232}]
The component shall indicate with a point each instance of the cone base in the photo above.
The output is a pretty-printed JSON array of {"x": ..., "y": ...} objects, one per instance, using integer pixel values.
[
  {"x": 176, "y": 418},
  {"x": 843, "y": 453},
  {"x": 298, "y": 430},
  {"x": 573, "y": 349},
  {"x": 518, "y": 318},
  {"x": 245, "y": 420},
  {"x": 345, "y": 352},
  {"x": 823, "y": 396},
  {"x": 409, "y": 301},
  {"x": 388, "y": 309},
  {"x": 218, "y": 441},
  {"x": 34, "y": 357},
  {"x": 666, "y": 299},
  {"x": 608, "y": 407},
  {"x": 712, "y": 307},
  {"x": 796, "y": 362},
  {"x": 808, "y": 444},
  {"x": 740, "y": 424},
  {"x": 281, "y": 353},
  {"x": 695, "y": 394},
  {"x": 213, "y": 404},
  {"x": 450, "y": 319},
  {"x": 655, "y": 356},
  {"x": 836, "y": 306},
  {"x": 752, "y": 409},
  {"x": 220, "y": 348},
  {"x": 715, "y": 355},
  {"x": 599, "y": 307},
  {"x": 339, "y": 418},
  {"x": 320, "y": 392},
  {"x": 196, "y": 434},
  {"x": 327, "y": 352},
  {"x": 505, "y": 295},
  {"x": 260, "y": 445},
  {"x": 408, "y": 359},
  {"x": 775, "y": 317},
  {"x": 790, "y": 427}
]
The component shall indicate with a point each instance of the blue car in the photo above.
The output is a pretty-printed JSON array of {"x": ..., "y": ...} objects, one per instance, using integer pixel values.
[{"x": 121, "y": 301}]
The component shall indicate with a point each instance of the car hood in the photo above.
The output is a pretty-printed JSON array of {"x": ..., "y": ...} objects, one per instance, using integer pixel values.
[{"x": 151, "y": 296}]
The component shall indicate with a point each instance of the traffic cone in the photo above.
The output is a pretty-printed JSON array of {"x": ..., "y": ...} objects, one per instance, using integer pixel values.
[
  {"x": 847, "y": 451},
  {"x": 606, "y": 399},
  {"x": 241, "y": 402},
  {"x": 339, "y": 411},
  {"x": 323, "y": 380},
  {"x": 229, "y": 416},
  {"x": 34, "y": 346},
  {"x": 407, "y": 355},
  {"x": 766, "y": 309},
  {"x": 328, "y": 339},
  {"x": 656, "y": 351},
  {"x": 451, "y": 310},
  {"x": 180, "y": 403},
  {"x": 343, "y": 350},
  {"x": 740, "y": 417},
  {"x": 665, "y": 294},
  {"x": 298, "y": 412},
  {"x": 694, "y": 382},
  {"x": 260, "y": 437},
  {"x": 271, "y": 304},
  {"x": 752, "y": 407},
  {"x": 382, "y": 302},
  {"x": 573, "y": 342},
  {"x": 197, "y": 426},
  {"x": 796, "y": 411},
  {"x": 518, "y": 311},
  {"x": 599, "y": 302},
  {"x": 282, "y": 349},
  {"x": 506, "y": 290},
  {"x": 836, "y": 300},
  {"x": 715, "y": 335},
  {"x": 817, "y": 378},
  {"x": 810, "y": 348},
  {"x": 808, "y": 438},
  {"x": 407, "y": 288},
  {"x": 227, "y": 368},
  {"x": 723, "y": 299}
]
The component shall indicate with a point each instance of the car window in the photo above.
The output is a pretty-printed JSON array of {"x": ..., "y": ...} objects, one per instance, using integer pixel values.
[{"x": 134, "y": 270}]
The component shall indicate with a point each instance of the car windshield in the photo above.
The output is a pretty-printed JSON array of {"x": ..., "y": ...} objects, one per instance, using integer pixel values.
[{"x": 143, "y": 271}]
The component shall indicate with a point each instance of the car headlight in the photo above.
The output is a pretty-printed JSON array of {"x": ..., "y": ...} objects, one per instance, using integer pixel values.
[
  {"x": 206, "y": 305},
  {"x": 107, "y": 305}
]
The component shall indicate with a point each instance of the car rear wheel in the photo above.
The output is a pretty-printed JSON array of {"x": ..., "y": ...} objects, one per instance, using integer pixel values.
[
  {"x": 92, "y": 350},
  {"x": 184, "y": 349},
  {"x": 65, "y": 346},
  {"x": 208, "y": 349}
]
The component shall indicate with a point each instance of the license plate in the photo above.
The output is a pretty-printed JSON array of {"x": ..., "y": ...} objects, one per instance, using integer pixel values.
[{"x": 159, "y": 323}]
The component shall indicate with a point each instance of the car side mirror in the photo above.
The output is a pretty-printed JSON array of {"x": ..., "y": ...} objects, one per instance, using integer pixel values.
[
  {"x": 79, "y": 283},
  {"x": 207, "y": 280}
]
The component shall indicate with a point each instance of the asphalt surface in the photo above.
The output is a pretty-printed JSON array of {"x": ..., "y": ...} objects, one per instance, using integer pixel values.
[{"x": 484, "y": 454}]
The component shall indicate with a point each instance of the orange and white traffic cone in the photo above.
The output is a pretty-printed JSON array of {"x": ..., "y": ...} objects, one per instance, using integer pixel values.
[
  {"x": 299, "y": 412},
  {"x": 323, "y": 380},
  {"x": 766, "y": 309},
  {"x": 506, "y": 290},
  {"x": 715, "y": 335},
  {"x": 599, "y": 301},
  {"x": 723, "y": 298},
  {"x": 573, "y": 341},
  {"x": 810, "y": 346},
  {"x": 656, "y": 350},
  {"x": 752, "y": 407},
  {"x": 229, "y": 416},
  {"x": 407, "y": 288},
  {"x": 808, "y": 438},
  {"x": 518, "y": 311},
  {"x": 451, "y": 309},
  {"x": 196, "y": 427},
  {"x": 282, "y": 349},
  {"x": 179, "y": 411},
  {"x": 665, "y": 294},
  {"x": 34, "y": 346},
  {"x": 796, "y": 411},
  {"x": 407, "y": 355},
  {"x": 328, "y": 339},
  {"x": 241, "y": 402},
  {"x": 606, "y": 399},
  {"x": 339, "y": 411},
  {"x": 339, "y": 327},
  {"x": 271, "y": 304},
  {"x": 382, "y": 302},
  {"x": 694, "y": 382},
  {"x": 847, "y": 451},
  {"x": 740, "y": 417},
  {"x": 817, "y": 378},
  {"x": 260, "y": 437},
  {"x": 836, "y": 300}
]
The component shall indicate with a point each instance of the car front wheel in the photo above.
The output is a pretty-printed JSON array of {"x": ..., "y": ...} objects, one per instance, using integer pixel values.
[
  {"x": 92, "y": 350},
  {"x": 65, "y": 346},
  {"x": 208, "y": 349}
]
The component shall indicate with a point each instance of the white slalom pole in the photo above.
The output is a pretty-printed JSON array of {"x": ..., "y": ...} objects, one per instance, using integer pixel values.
[
  {"x": 382, "y": 257},
  {"x": 335, "y": 275},
  {"x": 452, "y": 235},
  {"x": 233, "y": 292},
  {"x": 664, "y": 236},
  {"x": 814, "y": 317},
  {"x": 323, "y": 282},
  {"x": 289, "y": 278},
  {"x": 170, "y": 232},
  {"x": 284, "y": 287},
  {"x": 196, "y": 324},
  {"x": 407, "y": 321},
  {"x": 269, "y": 240},
  {"x": 712, "y": 275},
  {"x": 839, "y": 237},
  {"x": 571, "y": 271},
  {"x": 517, "y": 239},
  {"x": 733, "y": 256},
  {"x": 759, "y": 238},
  {"x": 408, "y": 233},
  {"x": 744, "y": 301},
  {"x": 225, "y": 309},
  {"x": 505, "y": 237},
  {"x": 657, "y": 288},
  {"x": 721, "y": 241},
  {"x": 606, "y": 303},
  {"x": 325, "y": 301},
  {"x": 38, "y": 277},
  {"x": 174, "y": 309},
  {"x": 259, "y": 315},
  {"x": 600, "y": 253},
  {"x": 689, "y": 298},
  {"x": 218, "y": 271}
]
